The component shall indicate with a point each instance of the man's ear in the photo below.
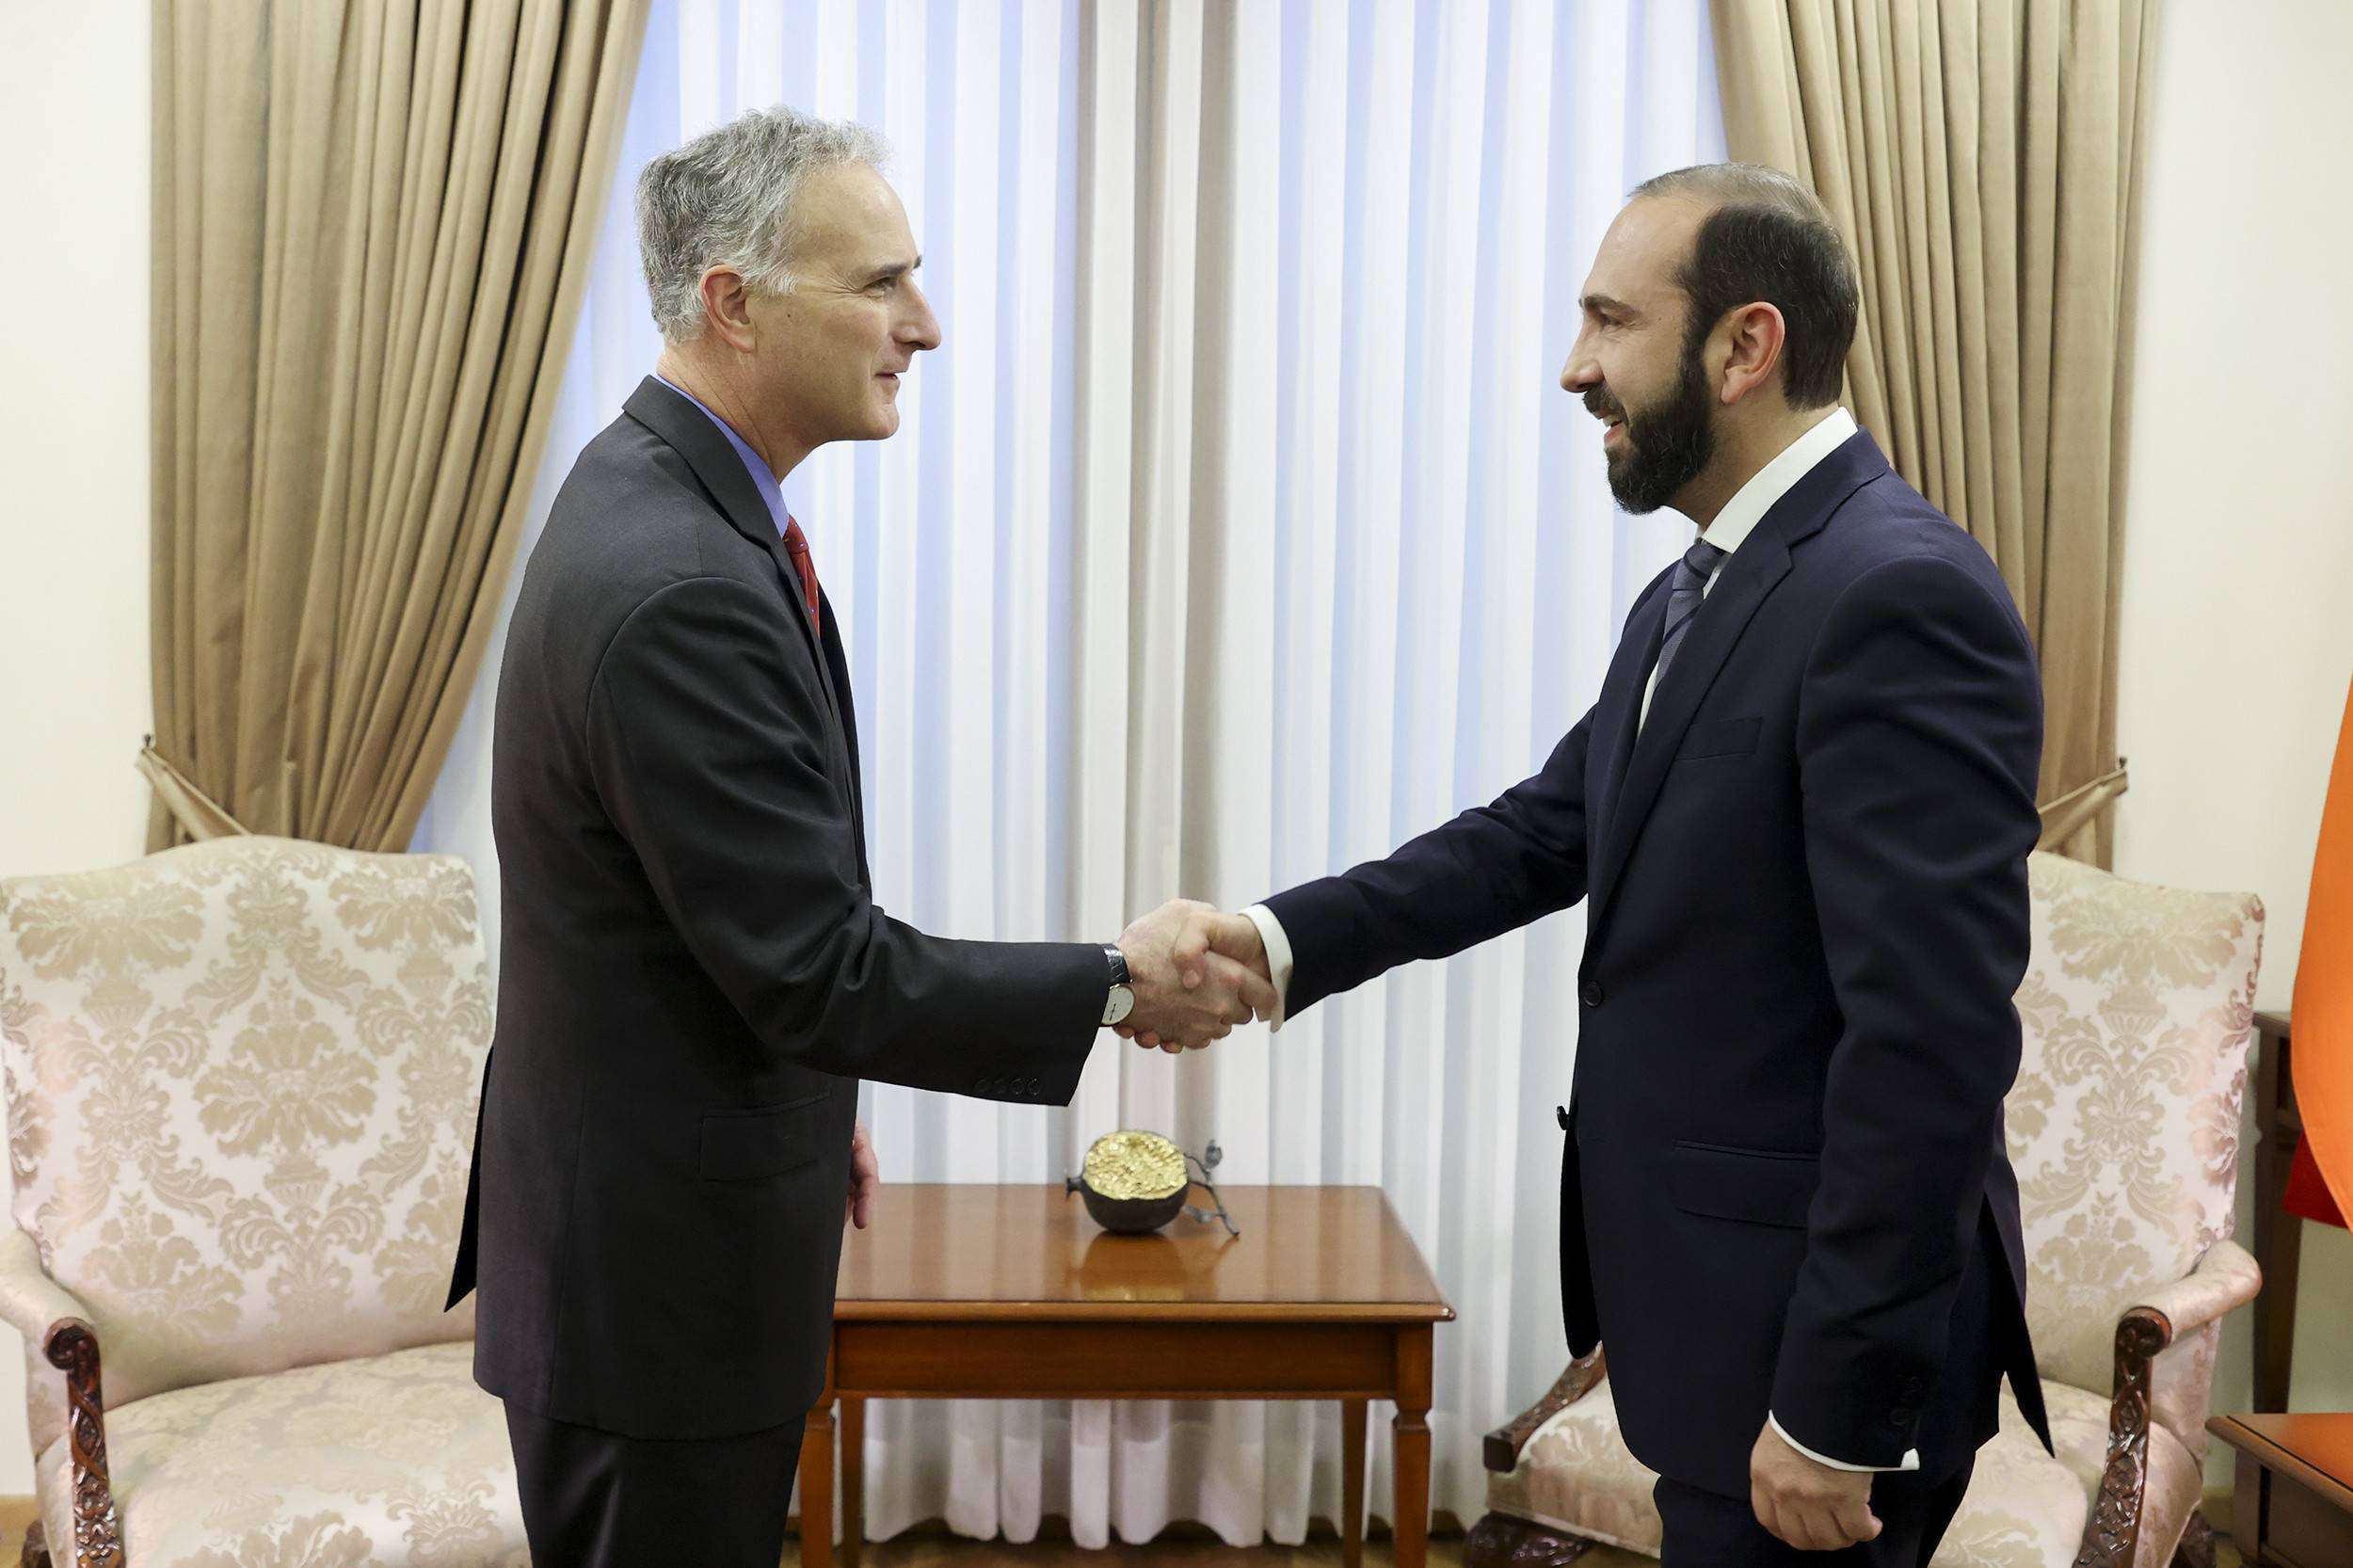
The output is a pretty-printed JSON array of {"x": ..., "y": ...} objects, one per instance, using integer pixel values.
[
  {"x": 1754, "y": 335},
  {"x": 728, "y": 305}
]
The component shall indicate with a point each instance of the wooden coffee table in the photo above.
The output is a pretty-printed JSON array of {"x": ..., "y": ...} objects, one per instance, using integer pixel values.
[
  {"x": 2293, "y": 1504},
  {"x": 1012, "y": 1292}
]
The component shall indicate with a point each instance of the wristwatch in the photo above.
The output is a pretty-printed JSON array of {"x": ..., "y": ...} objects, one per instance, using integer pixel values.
[{"x": 1122, "y": 998}]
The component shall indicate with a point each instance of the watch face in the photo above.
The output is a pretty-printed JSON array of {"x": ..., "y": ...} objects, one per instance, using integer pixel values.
[{"x": 1121, "y": 1003}]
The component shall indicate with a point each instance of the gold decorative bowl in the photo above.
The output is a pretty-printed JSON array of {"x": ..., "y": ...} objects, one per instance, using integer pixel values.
[{"x": 1135, "y": 1182}]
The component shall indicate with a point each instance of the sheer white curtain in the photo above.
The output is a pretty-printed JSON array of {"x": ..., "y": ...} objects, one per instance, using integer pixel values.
[{"x": 1238, "y": 532}]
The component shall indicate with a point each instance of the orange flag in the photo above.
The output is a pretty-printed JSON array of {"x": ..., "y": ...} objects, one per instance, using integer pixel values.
[{"x": 2323, "y": 1016}]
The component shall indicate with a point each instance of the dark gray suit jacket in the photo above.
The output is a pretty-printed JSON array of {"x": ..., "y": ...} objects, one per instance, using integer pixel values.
[{"x": 694, "y": 975}]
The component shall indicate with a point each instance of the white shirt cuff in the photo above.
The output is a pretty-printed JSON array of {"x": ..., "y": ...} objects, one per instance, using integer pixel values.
[
  {"x": 1278, "y": 955},
  {"x": 1912, "y": 1456}
]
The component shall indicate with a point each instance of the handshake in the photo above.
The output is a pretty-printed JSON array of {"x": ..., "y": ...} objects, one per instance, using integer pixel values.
[{"x": 1196, "y": 972}]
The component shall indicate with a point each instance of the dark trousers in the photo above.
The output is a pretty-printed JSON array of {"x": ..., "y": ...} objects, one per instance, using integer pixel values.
[
  {"x": 596, "y": 1499},
  {"x": 1706, "y": 1531}
]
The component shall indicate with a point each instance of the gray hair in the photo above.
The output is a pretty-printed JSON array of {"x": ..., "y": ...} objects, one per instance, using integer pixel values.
[{"x": 727, "y": 198}]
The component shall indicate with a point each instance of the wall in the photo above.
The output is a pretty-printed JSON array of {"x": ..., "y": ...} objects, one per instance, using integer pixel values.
[
  {"x": 2236, "y": 642},
  {"x": 2237, "y": 647},
  {"x": 75, "y": 119}
]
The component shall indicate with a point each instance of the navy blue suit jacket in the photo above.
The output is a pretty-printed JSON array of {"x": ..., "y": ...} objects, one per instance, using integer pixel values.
[{"x": 1806, "y": 890}]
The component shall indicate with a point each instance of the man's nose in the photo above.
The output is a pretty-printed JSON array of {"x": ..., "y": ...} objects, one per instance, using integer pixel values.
[
  {"x": 921, "y": 329},
  {"x": 1582, "y": 372}
]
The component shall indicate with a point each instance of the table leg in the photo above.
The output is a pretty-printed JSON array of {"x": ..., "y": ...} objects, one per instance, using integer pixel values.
[
  {"x": 1412, "y": 1433},
  {"x": 1352, "y": 1414},
  {"x": 2247, "y": 1507},
  {"x": 2275, "y": 1309},
  {"x": 817, "y": 1487},
  {"x": 853, "y": 1479},
  {"x": 2279, "y": 1235}
]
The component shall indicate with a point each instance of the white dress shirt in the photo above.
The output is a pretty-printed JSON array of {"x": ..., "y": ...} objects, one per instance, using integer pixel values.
[
  {"x": 1727, "y": 533},
  {"x": 1749, "y": 504}
]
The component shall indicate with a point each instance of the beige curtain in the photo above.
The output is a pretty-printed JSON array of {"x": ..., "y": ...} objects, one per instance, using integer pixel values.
[
  {"x": 1983, "y": 156},
  {"x": 373, "y": 221}
]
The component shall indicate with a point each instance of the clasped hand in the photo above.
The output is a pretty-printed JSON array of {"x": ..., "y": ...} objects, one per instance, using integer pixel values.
[{"x": 1197, "y": 973}]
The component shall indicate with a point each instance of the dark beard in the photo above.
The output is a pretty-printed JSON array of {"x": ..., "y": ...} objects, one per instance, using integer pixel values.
[{"x": 1665, "y": 446}]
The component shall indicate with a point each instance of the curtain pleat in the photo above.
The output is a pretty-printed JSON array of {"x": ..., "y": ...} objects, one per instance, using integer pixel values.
[
  {"x": 1983, "y": 158},
  {"x": 374, "y": 223}
]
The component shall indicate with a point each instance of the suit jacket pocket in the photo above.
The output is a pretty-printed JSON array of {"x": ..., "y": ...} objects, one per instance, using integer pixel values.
[
  {"x": 1757, "y": 1186},
  {"x": 1721, "y": 738},
  {"x": 769, "y": 1141}
]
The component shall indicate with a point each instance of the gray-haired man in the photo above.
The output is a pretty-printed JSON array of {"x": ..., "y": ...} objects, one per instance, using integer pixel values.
[{"x": 694, "y": 974}]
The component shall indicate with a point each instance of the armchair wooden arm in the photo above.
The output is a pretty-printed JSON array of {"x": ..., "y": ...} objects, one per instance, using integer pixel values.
[
  {"x": 2225, "y": 1279},
  {"x": 2112, "y": 1534},
  {"x": 46, "y": 1313},
  {"x": 1504, "y": 1444},
  {"x": 71, "y": 1347}
]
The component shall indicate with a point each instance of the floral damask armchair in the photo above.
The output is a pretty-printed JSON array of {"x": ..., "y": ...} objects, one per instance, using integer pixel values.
[
  {"x": 2138, "y": 1005},
  {"x": 240, "y": 1081}
]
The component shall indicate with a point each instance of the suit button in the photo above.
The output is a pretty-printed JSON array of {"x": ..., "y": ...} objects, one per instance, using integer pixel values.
[
  {"x": 1033, "y": 1087},
  {"x": 1591, "y": 994},
  {"x": 1902, "y": 1416},
  {"x": 986, "y": 1086}
]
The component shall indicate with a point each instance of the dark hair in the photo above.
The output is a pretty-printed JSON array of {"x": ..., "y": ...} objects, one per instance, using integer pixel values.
[{"x": 1769, "y": 238}]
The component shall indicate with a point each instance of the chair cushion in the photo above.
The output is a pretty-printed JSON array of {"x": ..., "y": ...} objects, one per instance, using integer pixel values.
[
  {"x": 398, "y": 1459},
  {"x": 2026, "y": 1509},
  {"x": 241, "y": 1081}
]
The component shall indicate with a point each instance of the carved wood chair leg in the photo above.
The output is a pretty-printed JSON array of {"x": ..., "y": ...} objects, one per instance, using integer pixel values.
[
  {"x": 1501, "y": 1541},
  {"x": 2197, "y": 1549}
]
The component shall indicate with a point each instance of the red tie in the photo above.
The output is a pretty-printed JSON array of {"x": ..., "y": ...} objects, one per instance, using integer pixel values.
[{"x": 797, "y": 546}]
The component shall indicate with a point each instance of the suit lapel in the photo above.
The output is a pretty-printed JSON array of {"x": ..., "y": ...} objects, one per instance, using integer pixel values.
[
  {"x": 833, "y": 675},
  {"x": 837, "y": 663},
  {"x": 1622, "y": 708},
  {"x": 1754, "y": 570},
  {"x": 669, "y": 414}
]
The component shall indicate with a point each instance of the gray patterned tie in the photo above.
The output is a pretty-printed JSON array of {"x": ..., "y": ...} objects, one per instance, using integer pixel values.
[{"x": 1683, "y": 597}]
